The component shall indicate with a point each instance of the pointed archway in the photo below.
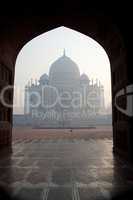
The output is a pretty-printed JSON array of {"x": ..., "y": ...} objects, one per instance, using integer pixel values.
[{"x": 100, "y": 29}]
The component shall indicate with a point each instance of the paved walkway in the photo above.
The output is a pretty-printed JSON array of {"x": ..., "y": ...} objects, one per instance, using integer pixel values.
[
  {"x": 64, "y": 169},
  {"x": 99, "y": 132}
]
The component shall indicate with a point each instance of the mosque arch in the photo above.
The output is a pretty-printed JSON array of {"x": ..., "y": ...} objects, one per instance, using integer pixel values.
[
  {"x": 65, "y": 75},
  {"x": 100, "y": 29}
]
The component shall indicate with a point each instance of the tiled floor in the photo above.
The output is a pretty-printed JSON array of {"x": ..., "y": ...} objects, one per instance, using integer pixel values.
[{"x": 64, "y": 170}]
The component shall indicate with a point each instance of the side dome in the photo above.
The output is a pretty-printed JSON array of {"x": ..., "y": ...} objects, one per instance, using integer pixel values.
[
  {"x": 44, "y": 79},
  {"x": 84, "y": 78},
  {"x": 64, "y": 70}
]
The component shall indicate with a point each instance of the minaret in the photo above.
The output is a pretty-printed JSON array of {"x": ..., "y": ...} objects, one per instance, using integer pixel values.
[
  {"x": 99, "y": 84},
  {"x": 92, "y": 81},
  {"x": 28, "y": 84},
  {"x": 102, "y": 98},
  {"x": 36, "y": 81},
  {"x": 64, "y": 52},
  {"x": 96, "y": 82},
  {"x": 31, "y": 80},
  {"x": 26, "y": 100}
]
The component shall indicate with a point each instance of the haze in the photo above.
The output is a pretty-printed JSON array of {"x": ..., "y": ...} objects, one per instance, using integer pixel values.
[{"x": 38, "y": 54}]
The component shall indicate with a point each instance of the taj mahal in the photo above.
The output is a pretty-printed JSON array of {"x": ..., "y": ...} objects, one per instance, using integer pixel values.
[{"x": 63, "y": 98}]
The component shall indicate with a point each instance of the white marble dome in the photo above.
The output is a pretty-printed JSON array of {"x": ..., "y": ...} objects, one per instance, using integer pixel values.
[{"x": 64, "y": 70}]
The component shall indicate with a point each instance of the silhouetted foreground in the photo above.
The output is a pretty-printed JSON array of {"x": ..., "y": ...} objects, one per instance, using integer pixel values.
[
  {"x": 5, "y": 194},
  {"x": 125, "y": 195}
]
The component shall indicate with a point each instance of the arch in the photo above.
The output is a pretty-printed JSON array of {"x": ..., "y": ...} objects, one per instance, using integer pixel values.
[
  {"x": 63, "y": 66},
  {"x": 101, "y": 29}
]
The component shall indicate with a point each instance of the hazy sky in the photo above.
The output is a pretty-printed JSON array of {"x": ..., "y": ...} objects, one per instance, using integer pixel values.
[{"x": 38, "y": 54}]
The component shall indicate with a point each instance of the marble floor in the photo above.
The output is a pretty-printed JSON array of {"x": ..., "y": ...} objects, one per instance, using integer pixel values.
[{"x": 64, "y": 169}]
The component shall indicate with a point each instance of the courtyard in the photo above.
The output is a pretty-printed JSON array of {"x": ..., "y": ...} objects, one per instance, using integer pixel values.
[{"x": 63, "y": 165}]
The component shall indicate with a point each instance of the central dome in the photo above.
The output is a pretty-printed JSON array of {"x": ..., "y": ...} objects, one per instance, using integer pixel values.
[{"x": 64, "y": 70}]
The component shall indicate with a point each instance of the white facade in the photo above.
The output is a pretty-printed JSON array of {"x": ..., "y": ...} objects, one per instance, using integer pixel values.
[{"x": 64, "y": 98}]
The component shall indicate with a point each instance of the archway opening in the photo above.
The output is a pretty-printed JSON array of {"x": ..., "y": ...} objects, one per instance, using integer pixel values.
[
  {"x": 73, "y": 80},
  {"x": 62, "y": 81}
]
